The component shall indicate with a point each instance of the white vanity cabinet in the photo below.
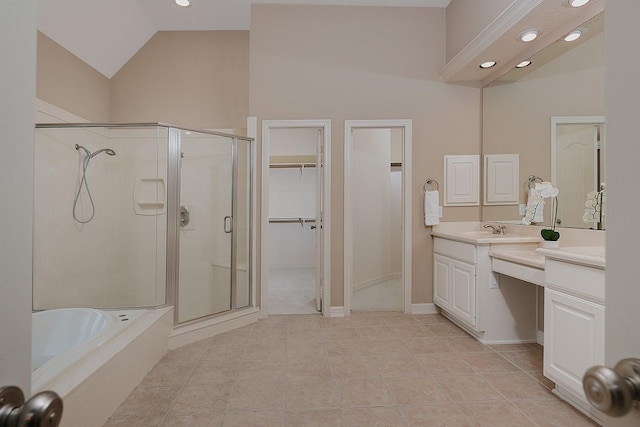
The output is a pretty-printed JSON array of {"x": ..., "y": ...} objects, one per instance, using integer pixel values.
[
  {"x": 455, "y": 287},
  {"x": 574, "y": 325},
  {"x": 454, "y": 279}
]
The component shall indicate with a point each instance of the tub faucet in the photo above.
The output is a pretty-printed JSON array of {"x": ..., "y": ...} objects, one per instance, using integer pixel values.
[{"x": 497, "y": 229}]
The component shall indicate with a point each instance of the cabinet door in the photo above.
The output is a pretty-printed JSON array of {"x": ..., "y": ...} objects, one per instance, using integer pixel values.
[
  {"x": 441, "y": 288},
  {"x": 573, "y": 338},
  {"x": 463, "y": 291}
]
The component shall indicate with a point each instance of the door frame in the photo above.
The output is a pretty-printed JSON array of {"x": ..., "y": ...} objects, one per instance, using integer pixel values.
[
  {"x": 323, "y": 228},
  {"x": 349, "y": 126}
]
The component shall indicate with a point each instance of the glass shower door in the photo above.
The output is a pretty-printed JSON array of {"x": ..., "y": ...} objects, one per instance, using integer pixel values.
[{"x": 206, "y": 203}]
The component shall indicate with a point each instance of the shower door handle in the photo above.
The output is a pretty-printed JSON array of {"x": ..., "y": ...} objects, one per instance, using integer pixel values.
[
  {"x": 43, "y": 409},
  {"x": 228, "y": 227}
]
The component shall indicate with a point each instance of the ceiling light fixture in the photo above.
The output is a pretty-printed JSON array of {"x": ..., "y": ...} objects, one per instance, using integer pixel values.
[
  {"x": 523, "y": 64},
  {"x": 488, "y": 64},
  {"x": 577, "y": 3},
  {"x": 183, "y": 3},
  {"x": 573, "y": 35},
  {"x": 529, "y": 35}
]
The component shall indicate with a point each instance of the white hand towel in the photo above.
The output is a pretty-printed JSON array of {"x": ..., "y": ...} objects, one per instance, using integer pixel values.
[
  {"x": 431, "y": 207},
  {"x": 534, "y": 201}
]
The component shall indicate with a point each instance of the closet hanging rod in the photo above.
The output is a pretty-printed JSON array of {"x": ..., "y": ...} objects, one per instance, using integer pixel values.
[
  {"x": 291, "y": 220},
  {"x": 291, "y": 165}
]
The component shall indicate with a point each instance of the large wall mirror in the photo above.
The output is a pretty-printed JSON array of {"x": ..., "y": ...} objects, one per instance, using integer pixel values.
[{"x": 557, "y": 99}]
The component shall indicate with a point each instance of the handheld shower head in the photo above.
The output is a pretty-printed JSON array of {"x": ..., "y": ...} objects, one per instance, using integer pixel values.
[
  {"x": 109, "y": 151},
  {"x": 90, "y": 155}
]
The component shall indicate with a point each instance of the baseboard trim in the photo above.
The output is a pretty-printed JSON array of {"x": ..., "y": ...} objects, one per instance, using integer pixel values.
[
  {"x": 424, "y": 308},
  {"x": 337, "y": 311},
  {"x": 187, "y": 334}
]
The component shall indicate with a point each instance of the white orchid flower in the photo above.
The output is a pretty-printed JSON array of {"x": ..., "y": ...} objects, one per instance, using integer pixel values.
[
  {"x": 546, "y": 189},
  {"x": 594, "y": 205}
]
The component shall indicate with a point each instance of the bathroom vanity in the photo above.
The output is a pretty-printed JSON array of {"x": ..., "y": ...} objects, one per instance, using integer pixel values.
[
  {"x": 574, "y": 317},
  {"x": 466, "y": 288},
  {"x": 489, "y": 285}
]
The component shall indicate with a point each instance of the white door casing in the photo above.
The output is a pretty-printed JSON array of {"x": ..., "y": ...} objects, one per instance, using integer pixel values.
[{"x": 318, "y": 225}]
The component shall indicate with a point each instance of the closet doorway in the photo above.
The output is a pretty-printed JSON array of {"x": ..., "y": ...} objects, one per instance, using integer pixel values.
[
  {"x": 377, "y": 222},
  {"x": 295, "y": 248}
]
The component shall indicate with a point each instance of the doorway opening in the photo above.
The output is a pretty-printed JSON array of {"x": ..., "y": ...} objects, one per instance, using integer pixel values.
[
  {"x": 295, "y": 230},
  {"x": 377, "y": 221}
]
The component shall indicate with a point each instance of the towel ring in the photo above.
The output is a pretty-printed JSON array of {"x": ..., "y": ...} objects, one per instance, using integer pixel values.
[
  {"x": 430, "y": 181},
  {"x": 533, "y": 179}
]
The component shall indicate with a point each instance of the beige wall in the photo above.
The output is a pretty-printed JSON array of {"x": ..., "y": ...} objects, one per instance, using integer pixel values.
[
  {"x": 66, "y": 81},
  {"x": 467, "y": 18},
  {"x": 517, "y": 116},
  {"x": 196, "y": 79},
  {"x": 338, "y": 63}
]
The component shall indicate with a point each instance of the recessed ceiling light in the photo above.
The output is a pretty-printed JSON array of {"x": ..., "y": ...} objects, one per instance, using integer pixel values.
[
  {"x": 183, "y": 3},
  {"x": 488, "y": 64},
  {"x": 573, "y": 35},
  {"x": 529, "y": 35},
  {"x": 577, "y": 3},
  {"x": 523, "y": 64}
]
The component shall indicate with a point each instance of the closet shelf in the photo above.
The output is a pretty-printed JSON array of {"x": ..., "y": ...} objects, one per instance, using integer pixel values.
[{"x": 292, "y": 162}]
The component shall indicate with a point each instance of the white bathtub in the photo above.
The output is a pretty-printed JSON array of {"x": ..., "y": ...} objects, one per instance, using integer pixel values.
[
  {"x": 62, "y": 337},
  {"x": 93, "y": 359}
]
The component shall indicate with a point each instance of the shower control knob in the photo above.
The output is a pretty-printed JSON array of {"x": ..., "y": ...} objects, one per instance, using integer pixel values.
[{"x": 42, "y": 410}]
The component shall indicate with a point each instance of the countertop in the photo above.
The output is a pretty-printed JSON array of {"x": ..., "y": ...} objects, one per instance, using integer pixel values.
[
  {"x": 483, "y": 237},
  {"x": 528, "y": 257},
  {"x": 591, "y": 256}
]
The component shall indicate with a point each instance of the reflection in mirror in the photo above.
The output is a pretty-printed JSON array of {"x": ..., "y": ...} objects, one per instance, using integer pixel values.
[
  {"x": 577, "y": 166},
  {"x": 564, "y": 80}
]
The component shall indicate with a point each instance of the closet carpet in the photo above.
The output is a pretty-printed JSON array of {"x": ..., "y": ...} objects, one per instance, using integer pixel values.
[{"x": 292, "y": 291}]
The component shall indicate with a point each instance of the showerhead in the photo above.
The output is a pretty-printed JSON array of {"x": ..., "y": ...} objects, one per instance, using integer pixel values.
[{"x": 109, "y": 151}]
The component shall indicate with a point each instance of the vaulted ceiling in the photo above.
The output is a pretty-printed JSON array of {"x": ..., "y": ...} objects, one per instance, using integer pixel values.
[{"x": 107, "y": 33}]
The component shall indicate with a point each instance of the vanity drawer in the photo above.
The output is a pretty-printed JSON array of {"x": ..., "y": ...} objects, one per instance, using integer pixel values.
[
  {"x": 578, "y": 279},
  {"x": 456, "y": 250}
]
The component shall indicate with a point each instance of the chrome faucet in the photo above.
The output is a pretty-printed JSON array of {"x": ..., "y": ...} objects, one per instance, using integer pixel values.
[{"x": 497, "y": 229}]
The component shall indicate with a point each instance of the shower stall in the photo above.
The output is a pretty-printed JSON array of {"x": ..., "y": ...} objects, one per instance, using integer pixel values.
[{"x": 142, "y": 216}]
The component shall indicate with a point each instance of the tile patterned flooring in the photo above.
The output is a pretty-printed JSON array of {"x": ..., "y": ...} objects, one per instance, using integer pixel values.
[
  {"x": 384, "y": 296},
  {"x": 372, "y": 369}
]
